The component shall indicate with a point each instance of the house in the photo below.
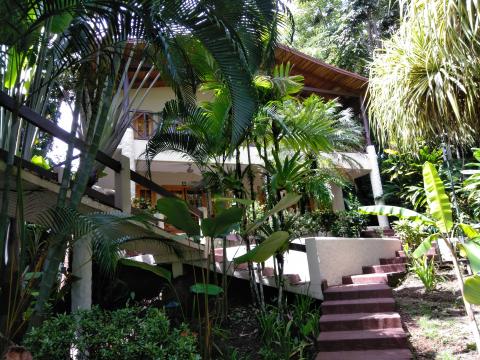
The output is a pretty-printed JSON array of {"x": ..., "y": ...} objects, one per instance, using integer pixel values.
[{"x": 179, "y": 175}]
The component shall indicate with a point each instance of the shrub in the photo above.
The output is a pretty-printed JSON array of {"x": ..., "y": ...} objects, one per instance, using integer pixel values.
[
  {"x": 289, "y": 335},
  {"x": 411, "y": 233},
  {"x": 129, "y": 333},
  {"x": 311, "y": 223},
  {"x": 426, "y": 271},
  {"x": 349, "y": 224}
]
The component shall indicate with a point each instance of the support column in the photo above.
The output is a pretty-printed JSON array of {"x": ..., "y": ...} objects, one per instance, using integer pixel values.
[
  {"x": 127, "y": 145},
  {"x": 177, "y": 269},
  {"x": 337, "y": 202},
  {"x": 315, "y": 288},
  {"x": 123, "y": 199},
  {"x": 82, "y": 268},
  {"x": 376, "y": 182}
]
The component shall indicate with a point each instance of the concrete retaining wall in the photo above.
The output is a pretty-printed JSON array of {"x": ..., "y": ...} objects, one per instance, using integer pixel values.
[{"x": 330, "y": 258}]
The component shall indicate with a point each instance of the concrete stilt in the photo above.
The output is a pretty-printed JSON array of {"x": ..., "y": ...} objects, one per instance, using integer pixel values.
[{"x": 376, "y": 182}]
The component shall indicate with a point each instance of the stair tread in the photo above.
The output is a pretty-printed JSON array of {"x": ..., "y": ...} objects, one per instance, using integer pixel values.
[
  {"x": 390, "y": 354},
  {"x": 360, "y": 301},
  {"x": 358, "y": 316},
  {"x": 376, "y": 274},
  {"x": 356, "y": 287},
  {"x": 384, "y": 268},
  {"x": 361, "y": 334}
]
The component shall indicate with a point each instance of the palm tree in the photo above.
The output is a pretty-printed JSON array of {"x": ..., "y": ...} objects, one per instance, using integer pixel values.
[
  {"x": 41, "y": 41},
  {"x": 424, "y": 82}
]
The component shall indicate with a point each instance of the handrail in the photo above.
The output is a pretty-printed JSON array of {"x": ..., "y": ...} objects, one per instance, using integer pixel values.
[{"x": 53, "y": 129}]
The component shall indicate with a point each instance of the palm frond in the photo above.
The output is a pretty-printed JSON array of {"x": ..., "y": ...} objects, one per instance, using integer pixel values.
[{"x": 424, "y": 82}]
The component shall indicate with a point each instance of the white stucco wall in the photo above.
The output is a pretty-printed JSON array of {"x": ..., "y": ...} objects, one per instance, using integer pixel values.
[
  {"x": 330, "y": 258},
  {"x": 156, "y": 98}
]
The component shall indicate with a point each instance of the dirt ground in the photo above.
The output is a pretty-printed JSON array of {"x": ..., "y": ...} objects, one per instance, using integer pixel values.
[{"x": 436, "y": 320}]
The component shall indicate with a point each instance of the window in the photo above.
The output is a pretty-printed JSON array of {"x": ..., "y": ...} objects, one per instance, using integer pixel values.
[{"x": 143, "y": 125}]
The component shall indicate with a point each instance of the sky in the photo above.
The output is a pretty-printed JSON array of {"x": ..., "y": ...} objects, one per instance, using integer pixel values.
[{"x": 59, "y": 148}]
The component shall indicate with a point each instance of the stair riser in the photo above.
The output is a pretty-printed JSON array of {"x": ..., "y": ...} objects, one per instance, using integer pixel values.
[
  {"x": 395, "y": 260},
  {"x": 363, "y": 344},
  {"x": 358, "y": 308},
  {"x": 386, "y": 354},
  {"x": 364, "y": 324},
  {"x": 381, "y": 269},
  {"x": 390, "y": 279},
  {"x": 351, "y": 295}
]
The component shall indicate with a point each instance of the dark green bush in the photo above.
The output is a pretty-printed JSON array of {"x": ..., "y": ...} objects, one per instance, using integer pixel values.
[
  {"x": 349, "y": 224},
  {"x": 311, "y": 223},
  {"x": 130, "y": 333}
]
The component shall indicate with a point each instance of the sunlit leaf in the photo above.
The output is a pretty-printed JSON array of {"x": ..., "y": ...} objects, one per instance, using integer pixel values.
[
  {"x": 438, "y": 203},
  {"x": 266, "y": 249},
  {"x": 209, "y": 289},
  {"x": 177, "y": 214},
  {"x": 157, "y": 270},
  {"x": 471, "y": 289}
]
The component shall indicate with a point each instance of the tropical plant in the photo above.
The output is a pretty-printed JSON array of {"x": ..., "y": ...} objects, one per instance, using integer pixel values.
[
  {"x": 349, "y": 223},
  {"x": 426, "y": 271},
  {"x": 287, "y": 335},
  {"x": 87, "y": 43},
  {"x": 106, "y": 335},
  {"x": 441, "y": 219},
  {"x": 312, "y": 222},
  {"x": 471, "y": 185},
  {"x": 410, "y": 233},
  {"x": 423, "y": 82},
  {"x": 344, "y": 34},
  {"x": 177, "y": 214},
  {"x": 403, "y": 173},
  {"x": 110, "y": 234}
]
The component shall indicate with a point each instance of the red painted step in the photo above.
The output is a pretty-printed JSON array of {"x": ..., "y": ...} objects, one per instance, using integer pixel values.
[
  {"x": 360, "y": 321},
  {"x": 363, "y": 340},
  {"x": 394, "y": 260},
  {"x": 390, "y": 354},
  {"x": 358, "y": 306},
  {"x": 357, "y": 291},
  {"x": 376, "y": 269},
  {"x": 400, "y": 253},
  {"x": 390, "y": 278}
]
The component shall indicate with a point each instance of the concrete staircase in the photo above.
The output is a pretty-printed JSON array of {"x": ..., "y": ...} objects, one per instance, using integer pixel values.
[{"x": 359, "y": 319}]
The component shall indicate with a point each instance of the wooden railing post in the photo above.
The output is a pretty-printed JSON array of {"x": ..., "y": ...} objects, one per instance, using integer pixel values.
[{"x": 123, "y": 196}]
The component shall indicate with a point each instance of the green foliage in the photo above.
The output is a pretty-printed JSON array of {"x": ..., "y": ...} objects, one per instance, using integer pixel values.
[
  {"x": 208, "y": 289},
  {"x": 349, "y": 223},
  {"x": 403, "y": 173},
  {"x": 276, "y": 242},
  {"x": 424, "y": 246},
  {"x": 471, "y": 289},
  {"x": 178, "y": 215},
  {"x": 222, "y": 224},
  {"x": 423, "y": 83},
  {"x": 410, "y": 232},
  {"x": 157, "y": 270},
  {"x": 471, "y": 185},
  {"x": 311, "y": 223},
  {"x": 344, "y": 33},
  {"x": 437, "y": 200},
  {"x": 397, "y": 211},
  {"x": 426, "y": 271},
  {"x": 40, "y": 161},
  {"x": 131, "y": 333},
  {"x": 288, "y": 335}
]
